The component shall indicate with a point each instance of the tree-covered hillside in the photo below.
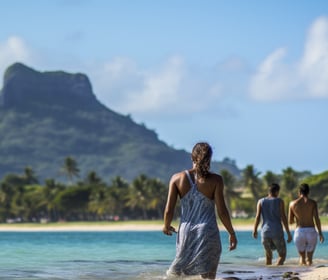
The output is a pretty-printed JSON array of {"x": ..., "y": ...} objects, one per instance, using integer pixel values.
[
  {"x": 24, "y": 199},
  {"x": 48, "y": 116}
]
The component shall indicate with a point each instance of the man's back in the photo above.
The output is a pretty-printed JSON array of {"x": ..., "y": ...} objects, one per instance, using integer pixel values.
[
  {"x": 271, "y": 215},
  {"x": 303, "y": 210}
]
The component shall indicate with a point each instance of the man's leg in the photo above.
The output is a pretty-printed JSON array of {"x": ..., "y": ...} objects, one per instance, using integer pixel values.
[
  {"x": 309, "y": 258},
  {"x": 267, "y": 244},
  {"x": 268, "y": 256},
  {"x": 302, "y": 258},
  {"x": 312, "y": 239},
  {"x": 281, "y": 259},
  {"x": 280, "y": 245}
]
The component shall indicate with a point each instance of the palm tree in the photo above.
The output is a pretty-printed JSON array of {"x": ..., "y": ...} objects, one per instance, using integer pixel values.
[
  {"x": 119, "y": 189},
  {"x": 157, "y": 192},
  {"x": 12, "y": 191},
  {"x": 93, "y": 178},
  {"x": 70, "y": 168},
  {"x": 229, "y": 190},
  {"x": 289, "y": 181},
  {"x": 73, "y": 201},
  {"x": 29, "y": 176},
  {"x": 270, "y": 177},
  {"x": 252, "y": 182},
  {"x": 138, "y": 195},
  {"x": 100, "y": 198},
  {"x": 7, "y": 192},
  {"x": 51, "y": 190},
  {"x": 31, "y": 203}
]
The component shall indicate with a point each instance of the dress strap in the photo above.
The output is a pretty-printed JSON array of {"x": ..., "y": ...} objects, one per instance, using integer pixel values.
[{"x": 189, "y": 178}]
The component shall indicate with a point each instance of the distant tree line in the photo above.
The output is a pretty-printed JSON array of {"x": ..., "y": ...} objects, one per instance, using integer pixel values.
[{"x": 24, "y": 199}]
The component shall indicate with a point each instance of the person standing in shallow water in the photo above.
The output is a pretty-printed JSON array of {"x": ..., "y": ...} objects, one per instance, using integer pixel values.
[
  {"x": 198, "y": 244},
  {"x": 304, "y": 210},
  {"x": 272, "y": 211}
]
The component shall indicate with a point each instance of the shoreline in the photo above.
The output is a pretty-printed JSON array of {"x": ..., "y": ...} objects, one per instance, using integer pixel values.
[
  {"x": 98, "y": 227},
  {"x": 6, "y": 228},
  {"x": 110, "y": 226}
]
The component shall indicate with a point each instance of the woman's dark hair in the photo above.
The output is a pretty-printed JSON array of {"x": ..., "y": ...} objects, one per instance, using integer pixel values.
[{"x": 201, "y": 156}]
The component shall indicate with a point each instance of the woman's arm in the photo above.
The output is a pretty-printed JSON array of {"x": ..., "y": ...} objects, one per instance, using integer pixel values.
[
  {"x": 223, "y": 213},
  {"x": 170, "y": 206}
]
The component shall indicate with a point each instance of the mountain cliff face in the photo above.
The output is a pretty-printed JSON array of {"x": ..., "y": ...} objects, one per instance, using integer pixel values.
[
  {"x": 24, "y": 86},
  {"x": 48, "y": 116}
]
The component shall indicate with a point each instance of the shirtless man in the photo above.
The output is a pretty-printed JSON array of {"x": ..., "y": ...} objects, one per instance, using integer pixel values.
[{"x": 305, "y": 211}]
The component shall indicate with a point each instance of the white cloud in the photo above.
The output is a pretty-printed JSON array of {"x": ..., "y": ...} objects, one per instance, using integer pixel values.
[
  {"x": 306, "y": 78},
  {"x": 160, "y": 88},
  {"x": 172, "y": 88},
  {"x": 119, "y": 83},
  {"x": 113, "y": 81},
  {"x": 314, "y": 64},
  {"x": 12, "y": 50},
  {"x": 15, "y": 48},
  {"x": 123, "y": 86},
  {"x": 274, "y": 80}
]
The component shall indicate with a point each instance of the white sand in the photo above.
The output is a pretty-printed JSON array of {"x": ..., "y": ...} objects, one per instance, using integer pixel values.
[
  {"x": 317, "y": 273},
  {"x": 67, "y": 227},
  {"x": 104, "y": 227}
]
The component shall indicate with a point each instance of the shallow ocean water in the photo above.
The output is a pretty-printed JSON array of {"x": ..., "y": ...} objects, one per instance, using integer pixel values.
[{"x": 126, "y": 255}]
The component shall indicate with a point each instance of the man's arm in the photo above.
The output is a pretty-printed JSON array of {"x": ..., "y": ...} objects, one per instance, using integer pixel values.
[
  {"x": 318, "y": 222},
  {"x": 284, "y": 220},
  {"x": 257, "y": 218},
  {"x": 291, "y": 216}
]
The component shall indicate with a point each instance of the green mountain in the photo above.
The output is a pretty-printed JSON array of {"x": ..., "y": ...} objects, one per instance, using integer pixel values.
[{"x": 47, "y": 116}]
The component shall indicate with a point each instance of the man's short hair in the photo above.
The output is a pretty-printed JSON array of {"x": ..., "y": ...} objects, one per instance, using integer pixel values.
[
  {"x": 304, "y": 189},
  {"x": 274, "y": 188}
]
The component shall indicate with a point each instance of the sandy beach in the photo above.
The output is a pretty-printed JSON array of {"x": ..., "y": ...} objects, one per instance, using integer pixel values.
[
  {"x": 121, "y": 226},
  {"x": 96, "y": 227},
  {"x": 68, "y": 227},
  {"x": 317, "y": 273},
  {"x": 286, "y": 272}
]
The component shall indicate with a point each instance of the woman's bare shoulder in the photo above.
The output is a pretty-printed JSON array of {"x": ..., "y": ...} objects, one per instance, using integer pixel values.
[
  {"x": 178, "y": 175},
  {"x": 216, "y": 179}
]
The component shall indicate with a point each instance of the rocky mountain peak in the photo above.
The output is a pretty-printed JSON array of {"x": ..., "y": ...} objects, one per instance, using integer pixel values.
[{"x": 23, "y": 86}]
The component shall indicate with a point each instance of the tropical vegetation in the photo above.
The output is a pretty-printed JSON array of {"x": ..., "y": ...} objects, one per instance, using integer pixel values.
[{"x": 24, "y": 199}]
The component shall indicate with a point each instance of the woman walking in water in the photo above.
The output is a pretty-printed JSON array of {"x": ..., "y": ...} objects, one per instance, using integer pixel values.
[{"x": 198, "y": 245}]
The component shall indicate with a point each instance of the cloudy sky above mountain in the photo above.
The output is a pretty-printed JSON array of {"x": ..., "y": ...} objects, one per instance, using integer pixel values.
[{"x": 249, "y": 77}]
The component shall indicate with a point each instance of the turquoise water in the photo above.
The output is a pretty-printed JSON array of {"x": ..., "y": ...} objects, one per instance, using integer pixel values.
[{"x": 122, "y": 255}]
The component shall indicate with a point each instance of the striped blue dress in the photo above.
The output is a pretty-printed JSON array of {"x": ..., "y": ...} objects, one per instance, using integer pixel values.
[{"x": 198, "y": 244}]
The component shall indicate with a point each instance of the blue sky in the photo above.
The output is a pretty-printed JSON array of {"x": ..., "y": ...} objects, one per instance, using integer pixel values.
[{"x": 250, "y": 77}]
